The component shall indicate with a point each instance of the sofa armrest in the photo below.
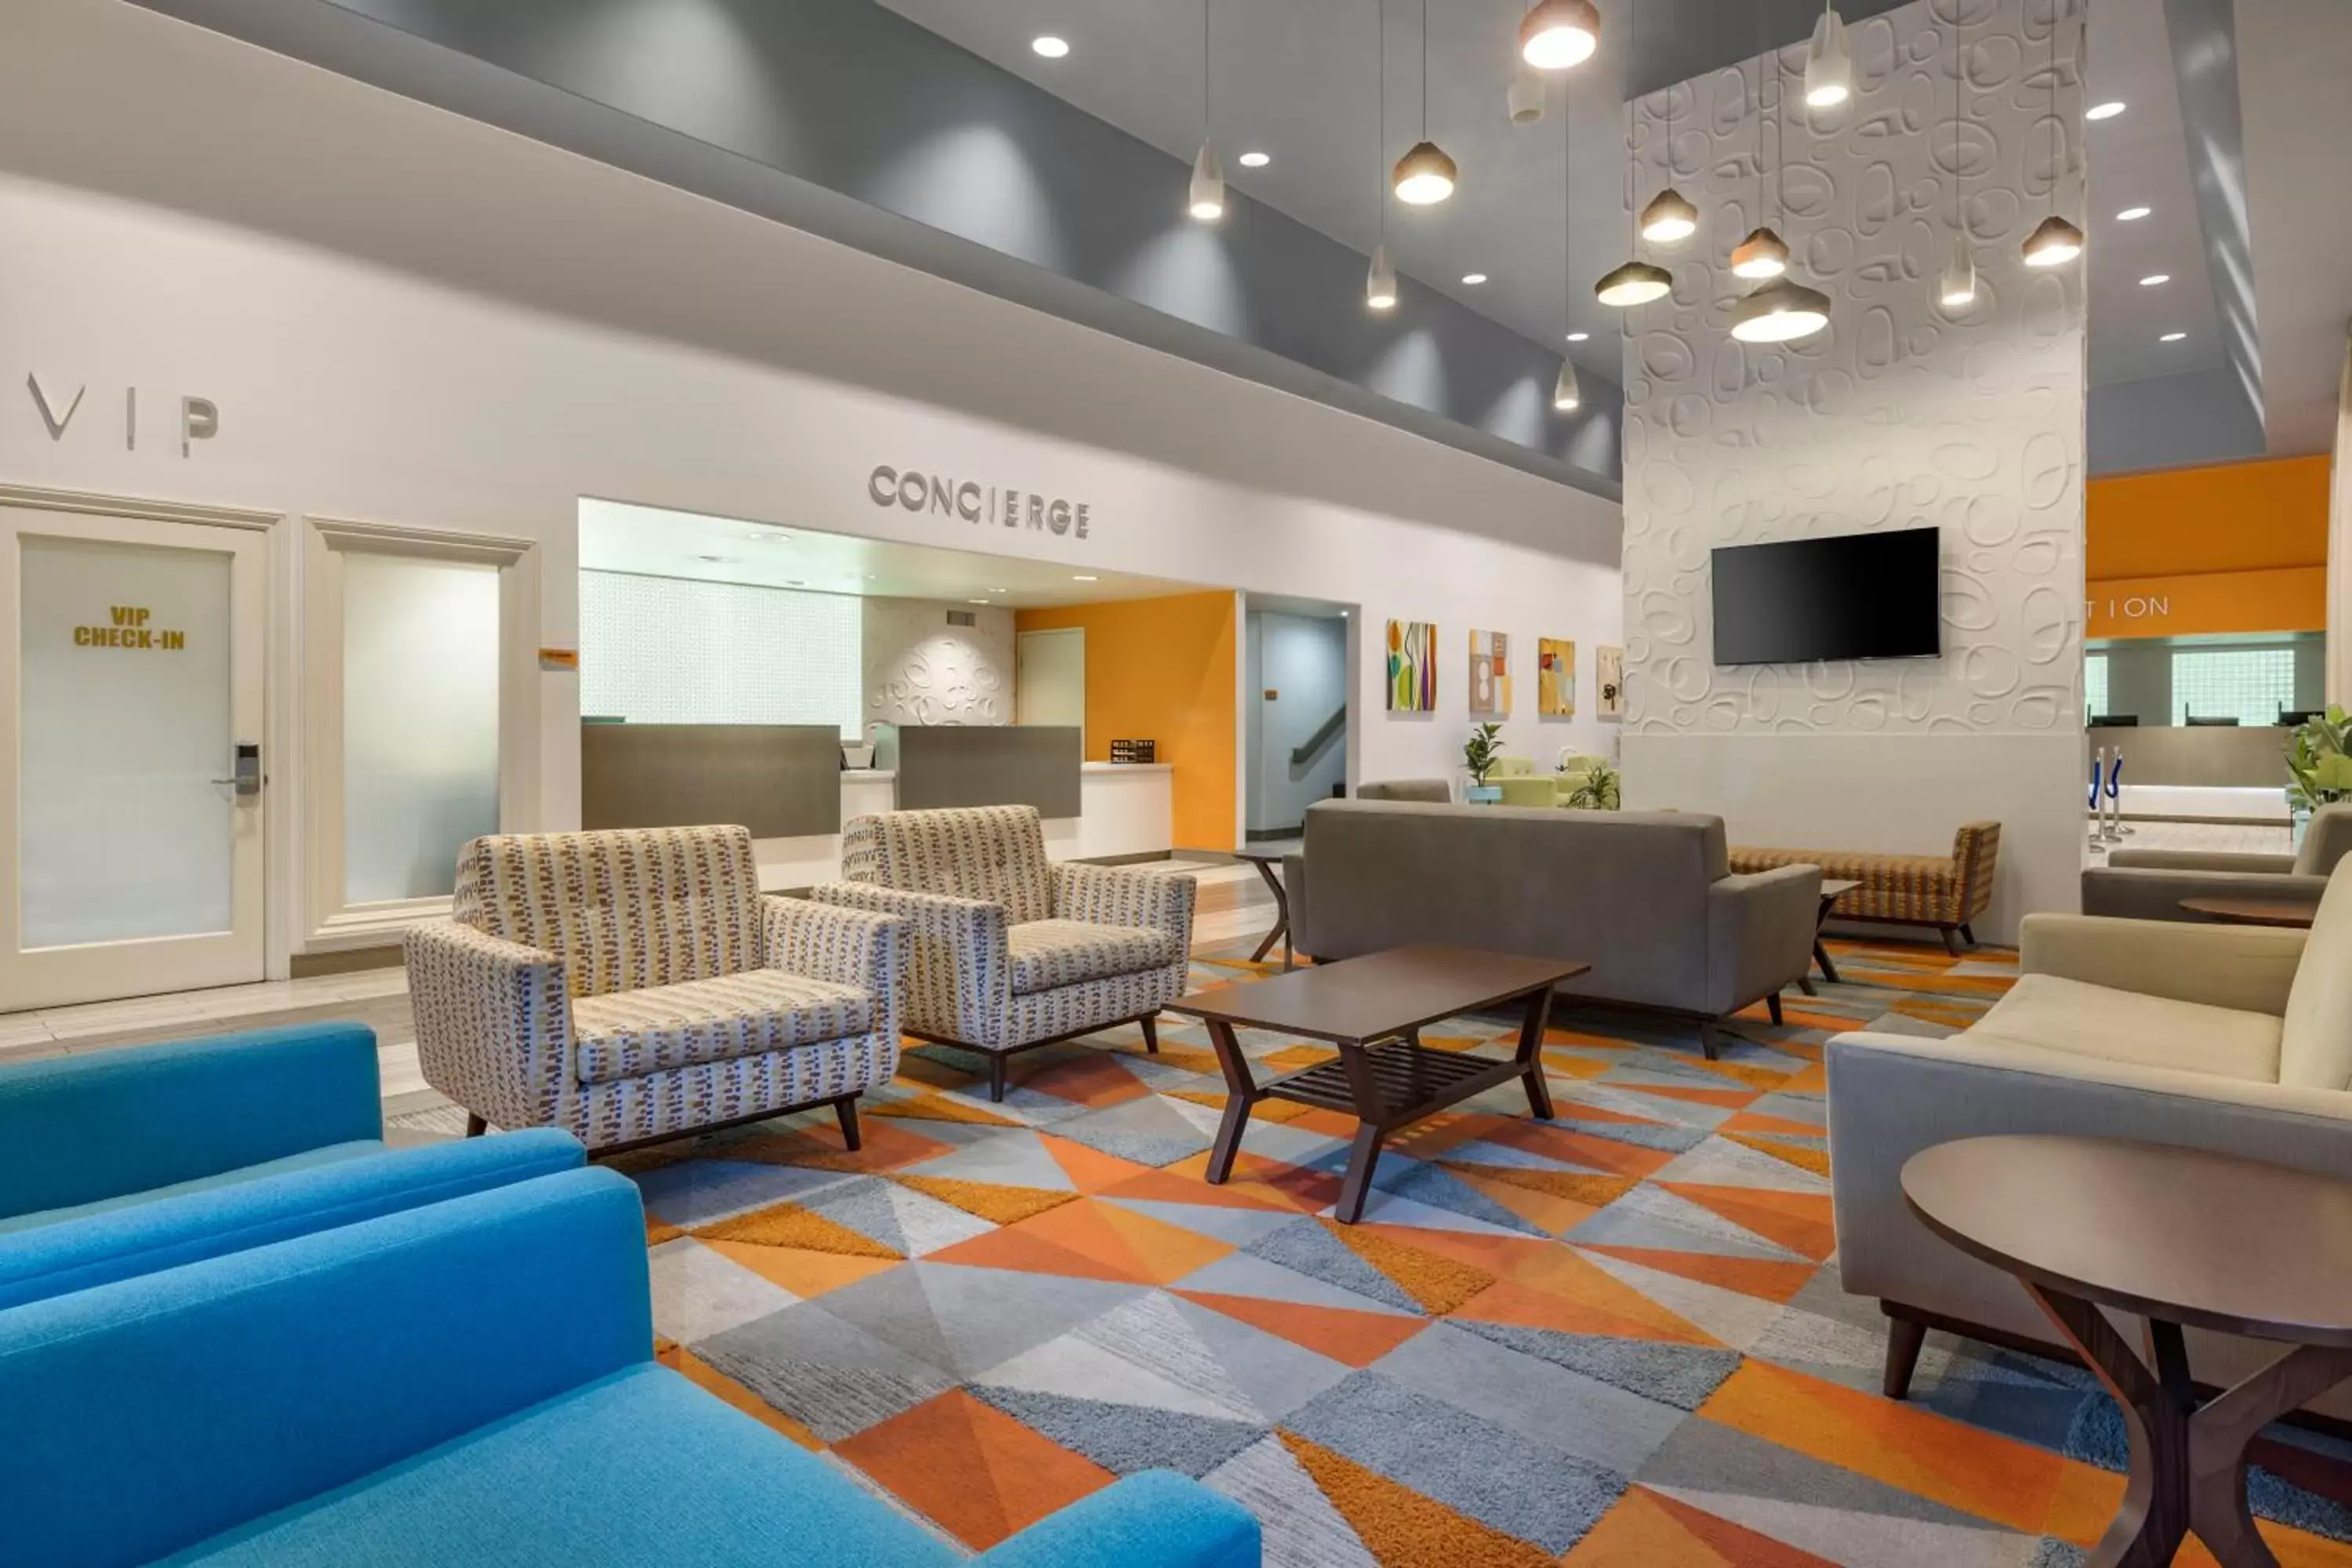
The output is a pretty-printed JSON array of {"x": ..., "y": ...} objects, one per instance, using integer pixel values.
[
  {"x": 493, "y": 1024},
  {"x": 958, "y": 974},
  {"x": 155, "y": 1413},
  {"x": 2202, "y": 861},
  {"x": 1126, "y": 896},
  {"x": 1154, "y": 1519},
  {"x": 2154, "y": 892},
  {"x": 2248, "y": 968},
  {"x": 1760, "y": 933},
  {"x": 1891, "y": 1096},
  {"x": 82, "y": 1129},
  {"x": 864, "y": 948}
]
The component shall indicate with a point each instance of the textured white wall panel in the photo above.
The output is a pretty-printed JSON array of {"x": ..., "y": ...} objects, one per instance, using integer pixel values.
[{"x": 921, "y": 671}]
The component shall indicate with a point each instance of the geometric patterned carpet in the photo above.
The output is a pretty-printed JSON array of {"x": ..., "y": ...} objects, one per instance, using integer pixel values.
[{"x": 1616, "y": 1339}]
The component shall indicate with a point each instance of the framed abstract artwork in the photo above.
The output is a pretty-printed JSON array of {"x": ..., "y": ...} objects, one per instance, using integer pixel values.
[
  {"x": 1609, "y": 682},
  {"x": 1412, "y": 667},
  {"x": 1490, "y": 674},
  {"x": 1555, "y": 678}
]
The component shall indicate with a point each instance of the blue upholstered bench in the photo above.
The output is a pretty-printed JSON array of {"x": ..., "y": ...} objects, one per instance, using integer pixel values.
[{"x": 468, "y": 1382}]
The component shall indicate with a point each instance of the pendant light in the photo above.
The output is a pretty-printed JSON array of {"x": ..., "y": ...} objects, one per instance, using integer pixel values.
[
  {"x": 1763, "y": 254},
  {"x": 1566, "y": 395},
  {"x": 2054, "y": 242},
  {"x": 1425, "y": 175},
  {"x": 1379, "y": 282},
  {"x": 1557, "y": 34},
  {"x": 1525, "y": 98},
  {"x": 1779, "y": 309},
  {"x": 1205, "y": 200},
  {"x": 1956, "y": 288},
  {"x": 1829, "y": 69},
  {"x": 1637, "y": 283},
  {"x": 1669, "y": 220}
]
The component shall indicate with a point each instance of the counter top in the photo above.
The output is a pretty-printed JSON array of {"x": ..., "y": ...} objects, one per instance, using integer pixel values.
[{"x": 1127, "y": 767}]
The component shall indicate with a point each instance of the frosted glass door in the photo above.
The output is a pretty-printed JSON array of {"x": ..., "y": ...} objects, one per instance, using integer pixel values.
[{"x": 137, "y": 854}]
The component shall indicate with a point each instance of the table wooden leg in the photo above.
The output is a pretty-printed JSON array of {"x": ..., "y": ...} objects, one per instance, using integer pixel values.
[
  {"x": 1372, "y": 1112},
  {"x": 1241, "y": 1094},
  {"x": 1281, "y": 931},
  {"x": 2218, "y": 1435},
  {"x": 1822, "y": 957},
  {"x": 1530, "y": 1058},
  {"x": 2154, "y": 1519}
]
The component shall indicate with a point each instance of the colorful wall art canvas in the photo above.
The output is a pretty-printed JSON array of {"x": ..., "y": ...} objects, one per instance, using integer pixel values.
[
  {"x": 1490, "y": 674},
  {"x": 1609, "y": 682},
  {"x": 1412, "y": 667},
  {"x": 1555, "y": 678}
]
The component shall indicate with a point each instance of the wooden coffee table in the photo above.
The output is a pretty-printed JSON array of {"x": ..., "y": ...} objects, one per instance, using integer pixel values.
[
  {"x": 2181, "y": 1238},
  {"x": 1832, "y": 889},
  {"x": 2253, "y": 912},
  {"x": 1373, "y": 1008}
]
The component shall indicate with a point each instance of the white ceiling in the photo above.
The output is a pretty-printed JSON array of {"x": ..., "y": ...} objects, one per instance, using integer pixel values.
[
  {"x": 652, "y": 542},
  {"x": 1300, "y": 81}
]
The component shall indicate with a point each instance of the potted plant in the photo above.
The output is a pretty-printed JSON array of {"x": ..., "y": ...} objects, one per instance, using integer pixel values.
[
  {"x": 1599, "y": 792},
  {"x": 2319, "y": 771},
  {"x": 1478, "y": 754}
]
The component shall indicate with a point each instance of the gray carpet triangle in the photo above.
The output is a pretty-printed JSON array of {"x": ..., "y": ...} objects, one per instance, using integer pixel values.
[
  {"x": 1125, "y": 1439},
  {"x": 1679, "y": 1376}
]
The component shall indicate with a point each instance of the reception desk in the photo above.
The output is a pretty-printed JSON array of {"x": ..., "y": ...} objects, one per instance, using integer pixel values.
[{"x": 2217, "y": 772}]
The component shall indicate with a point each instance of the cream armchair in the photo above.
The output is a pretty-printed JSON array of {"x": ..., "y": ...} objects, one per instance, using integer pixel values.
[
  {"x": 633, "y": 986},
  {"x": 1007, "y": 951},
  {"x": 2232, "y": 1039},
  {"x": 2150, "y": 884}
]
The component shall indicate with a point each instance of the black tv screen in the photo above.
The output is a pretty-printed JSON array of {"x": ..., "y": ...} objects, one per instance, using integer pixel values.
[{"x": 1854, "y": 595}]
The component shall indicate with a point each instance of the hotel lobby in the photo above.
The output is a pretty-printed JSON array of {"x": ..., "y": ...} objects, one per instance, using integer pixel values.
[{"x": 873, "y": 782}]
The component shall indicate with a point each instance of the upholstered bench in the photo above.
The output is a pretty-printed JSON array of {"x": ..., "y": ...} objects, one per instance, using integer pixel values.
[{"x": 1945, "y": 892}]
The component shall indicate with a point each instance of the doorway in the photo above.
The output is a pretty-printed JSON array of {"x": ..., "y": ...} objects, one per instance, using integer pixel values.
[
  {"x": 132, "y": 784},
  {"x": 1049, "y": 678},
  {"x": 1297, "y": 706}
]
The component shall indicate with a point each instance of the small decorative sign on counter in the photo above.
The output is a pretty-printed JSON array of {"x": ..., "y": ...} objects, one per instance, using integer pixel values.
[
  {"x": 559, "y": 658},
  {"x": 1135, "y": 751}
]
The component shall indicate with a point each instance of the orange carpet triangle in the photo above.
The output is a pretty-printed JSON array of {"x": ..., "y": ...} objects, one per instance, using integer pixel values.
[
  {"x": 1090, "y": 1170},
  {"x": 1437, "y": 1284},
  {"x": 1803, "y": 1156},
  {"x": 1357, "y": 1339},
  {"x": 990, "y": 1201},
  {"x": 788, "y": 1224},
  {"x": 1758, "y": 1277},
  {"x": 1403, "y": 1528},
  {"x": 1798, "y": 1221},
  {"x": 804, "y": 1273}
]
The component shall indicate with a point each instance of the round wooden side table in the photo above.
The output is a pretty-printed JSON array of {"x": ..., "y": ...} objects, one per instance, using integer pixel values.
[
  {"x": 2253, "y": 912},
  {"x": 2184, "y": 1238}
]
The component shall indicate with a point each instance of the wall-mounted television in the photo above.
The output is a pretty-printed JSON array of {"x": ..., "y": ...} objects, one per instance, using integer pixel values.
[{"x": 1852, "y": 595}]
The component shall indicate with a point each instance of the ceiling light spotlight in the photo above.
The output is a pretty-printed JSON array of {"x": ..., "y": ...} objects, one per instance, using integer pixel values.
[
  {"x": 2106, "y": 110},
  {"x": 1669, "y": 220},
  {"x": 1084, "y": 578},
  {"x": 1762, "y": 254},
  {"x": 1558, "y": 34},
  {"x": 1379, "y": 283},
  {"x": 1829, "y": 69},
  {"x": 1565, "y": 394},
  {"x": 1635, "y": 283},
  {"x": 980, "y": 602},
  {"x": 2053, "y": 243},
  {"x": 1473, "y": 278},
  {"x": 1957, "y": 288},
  {"x": 2153, "y": 278},
  {"x": 2132, "y": 214},
  {"x": 2171, "y": 337},
  {"x": 1049, "y": 46},
  {"x": 1578, "y": 337},
  {"x": 1425, "y": 175},
  {"x": 1780, "y": 312},
  {"x": 1524, "y": 99},
  {"x": 1254, "y": 159},
  {"x": 1206, "y": 199}
]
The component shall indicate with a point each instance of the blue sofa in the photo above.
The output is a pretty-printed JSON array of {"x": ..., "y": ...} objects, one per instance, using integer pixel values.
[{"x": 470, "y": 1382}]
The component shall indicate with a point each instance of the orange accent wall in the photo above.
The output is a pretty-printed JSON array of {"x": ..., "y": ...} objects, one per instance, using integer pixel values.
[
  {"x": 1163, "y": 669},
  {"x": 2240, "y": 547}
]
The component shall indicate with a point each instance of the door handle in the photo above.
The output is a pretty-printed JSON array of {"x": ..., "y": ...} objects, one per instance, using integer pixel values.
[{"x": 246, "y": 780}]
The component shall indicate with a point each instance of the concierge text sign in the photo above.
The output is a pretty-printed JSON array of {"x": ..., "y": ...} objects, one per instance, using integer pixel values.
[{"x": 912, "y": 489}]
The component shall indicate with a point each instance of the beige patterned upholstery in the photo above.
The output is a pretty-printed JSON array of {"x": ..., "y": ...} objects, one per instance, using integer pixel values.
[
  {"x": 1947, "y": 892},
  {"x": 1006, "y": 950},
  {"x": 635, "y": 985}
]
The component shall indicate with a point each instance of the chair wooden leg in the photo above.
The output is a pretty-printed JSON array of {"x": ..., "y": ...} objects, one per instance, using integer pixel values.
[
  {"x": 996, "y": 1076},
  {"x": 475, "y": 1125},
  {"x": 845, "y": 1109},
  {"x": 1967, "y": 935},
  {"x": 1952, "y": 940},
  {"x": 1152, "y": 1032},
  {"x": 1904, "y": 1338},
  {"x": 1772, "y": 1004},
  {"x": 1708, "y": 1042}
]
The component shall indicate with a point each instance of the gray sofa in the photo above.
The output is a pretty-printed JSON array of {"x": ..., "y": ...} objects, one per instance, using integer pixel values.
[
  {"x": 2148, "y": 884},
  {"x": 1645, "y": 897},
  {"x": 1436, "y": 791}
]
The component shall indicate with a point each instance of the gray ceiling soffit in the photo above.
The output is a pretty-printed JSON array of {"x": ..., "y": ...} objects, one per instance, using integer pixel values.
[
  {"x": 840, "y": 118},
  {"x": 2205, "y": 63},
  {"x": 2183, "y": 421},
  {"x": 1677, "y": 40}
]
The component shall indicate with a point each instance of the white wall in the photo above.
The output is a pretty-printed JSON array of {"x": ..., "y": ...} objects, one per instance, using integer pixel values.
[
  {"x": 348, "y": 388},
  {"x": 1898, "y": 416},
  {"x": 921, "y": 671},
  {"x": 1303, "y": 658},
  {"x": 677, "y": 650}
]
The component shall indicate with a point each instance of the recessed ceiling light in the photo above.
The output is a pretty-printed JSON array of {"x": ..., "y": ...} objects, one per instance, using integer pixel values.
[
  {"x": 794, "y": 583},
  {"x": 1473, "y": 278},
  {"x": 2132, "y": 214},
  {"x": 768, "y": 536},
  {"x": 720, "y": 560},
  {"x": 1084, "y": 578},
  {"x": 2153, "y": 278},
  {"x": 975, "y": 601},
  {"x": 2171, "y": 337},
  {"x": 2106, "y": 110},
  {"x": 1049, "y": 46},
  {"x": 1578, "y": 337},
  {"x": 996, "y": 589},
  {"x": 1254, "y": 159}
]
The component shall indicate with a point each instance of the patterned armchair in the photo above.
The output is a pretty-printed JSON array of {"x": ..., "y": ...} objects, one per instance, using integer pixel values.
[
  {"x": 1007, "y": 951},
  {"x": 1945, "y": 892},
  {"x": 633, "y": 986}
]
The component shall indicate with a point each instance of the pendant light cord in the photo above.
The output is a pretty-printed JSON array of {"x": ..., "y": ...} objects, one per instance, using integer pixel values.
[
  {"x": 1380, "y": 141},
  {"x": 1206, "y": 120},
  {"x": 1424, "y": 69}
]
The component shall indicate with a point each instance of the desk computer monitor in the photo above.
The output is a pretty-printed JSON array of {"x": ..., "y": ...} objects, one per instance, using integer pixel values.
[{"x": 2114, "y": 720}]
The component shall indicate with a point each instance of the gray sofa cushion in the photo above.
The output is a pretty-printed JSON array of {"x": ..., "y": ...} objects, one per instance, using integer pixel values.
[{"x": 1436, "y": 792}]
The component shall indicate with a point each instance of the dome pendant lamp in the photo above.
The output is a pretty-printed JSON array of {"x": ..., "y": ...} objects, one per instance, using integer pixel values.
[
  {"x": 1780, "y": 312},
  {"x": 1205, "y": 200},
  {"x": 2054, "y": 242},
  {"x": 1558, "y": 34},
  {"x": 1829, "y": 69},
  {"x": 1425, "y": 175},
  {"x": 1635, "y": 283},
  {"x": 1762, "y": 254},
  {"x": 1669, "y": 220}
]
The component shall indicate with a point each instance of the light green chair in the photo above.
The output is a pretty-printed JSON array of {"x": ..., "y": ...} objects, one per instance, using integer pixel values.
[
  {"x": 1528, "y": 789},
  {"x": 1511, "y": 768}
]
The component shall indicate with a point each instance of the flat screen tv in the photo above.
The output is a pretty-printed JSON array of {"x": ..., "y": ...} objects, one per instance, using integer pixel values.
[{"x": 1853, "y": 596}]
